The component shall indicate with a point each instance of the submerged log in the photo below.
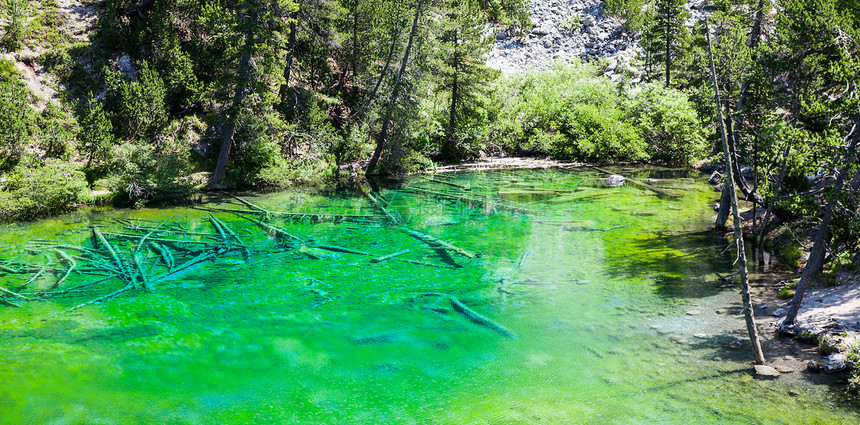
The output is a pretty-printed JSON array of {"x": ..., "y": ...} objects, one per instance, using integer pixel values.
[
  {"x": 389, "y": 256},
  {"x": 430, "y": 240},
  {"x": 468, "y": 200},
  {"x": 12, "y": 293},
  {"x": 479, "y": 319}
]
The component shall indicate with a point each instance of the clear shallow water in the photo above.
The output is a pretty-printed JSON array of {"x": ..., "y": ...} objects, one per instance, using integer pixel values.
[{"x": 594, "y": 281}]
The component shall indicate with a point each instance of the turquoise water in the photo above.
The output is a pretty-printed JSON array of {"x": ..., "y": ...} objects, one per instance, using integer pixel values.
[{"x": 593, "y": 282}]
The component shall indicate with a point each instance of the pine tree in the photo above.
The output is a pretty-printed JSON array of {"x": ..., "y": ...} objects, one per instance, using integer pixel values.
[
  {"x": 460, "y": 54},
  {"x": 663, "y": 37}
]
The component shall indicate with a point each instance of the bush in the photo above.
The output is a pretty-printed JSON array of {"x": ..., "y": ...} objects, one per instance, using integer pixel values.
[
  {"x": 669, "y": 124},
  {"x": 141, "y": 174},
  {"x": 33, "y": 189},
  {"x": 566, "y": 112}
]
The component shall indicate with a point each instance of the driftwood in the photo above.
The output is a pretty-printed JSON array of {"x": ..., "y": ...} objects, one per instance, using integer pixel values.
[
  {"x": 479, "y": 319},
  {"x": 378, "y": 205},
  {"x": 12, "y": 293},
  {"x": 469, "y": 200},
  {"x": 430, "y": 240},
  {"x": 389, "y": 256},
  {"x": 463, "y": 310},
  {"x": 641, "y": 184}
]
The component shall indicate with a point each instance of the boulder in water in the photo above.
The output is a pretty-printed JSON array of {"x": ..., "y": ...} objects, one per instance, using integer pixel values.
[{"x": 615, "y": 180}]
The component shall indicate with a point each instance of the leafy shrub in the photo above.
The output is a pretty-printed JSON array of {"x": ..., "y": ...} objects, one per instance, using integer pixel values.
[
  {"x": 669, "y": 124},
  {"x": 787, "y": 291},
  {"x": 33, "y": 189},
  {"x": 283, "y": 172},
  {"x": 572, "y": 23},
  {"x": 254, "y": 148},
  {"x": 566, "y": 112},
  {"x": 140, "y": 173}
]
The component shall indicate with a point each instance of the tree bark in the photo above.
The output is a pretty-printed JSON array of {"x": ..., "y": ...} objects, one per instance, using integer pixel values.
[
  {"x": 816, "y": 255},
  {"x": 291, "y": 48},
  {"x": 452, "y": 117},
  {"x": 382, "y": 74},
  {"x": 668, "y": 46},
  {"x": 762, "y": 231},
  {"x": 725, "y": 206},
  {"x": 238, "y": 99},
  {"x": 380, "y": 140},
  {"x": 749, "y": 314}
]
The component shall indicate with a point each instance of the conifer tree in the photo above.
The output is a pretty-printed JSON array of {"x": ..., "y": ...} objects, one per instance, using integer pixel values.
[
  {"x": 663, "y": 37},
  {"x": 460, "y": 54}
]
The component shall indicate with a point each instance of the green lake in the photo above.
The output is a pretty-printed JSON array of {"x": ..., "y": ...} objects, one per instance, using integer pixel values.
[{"x": 573, "y": 310}]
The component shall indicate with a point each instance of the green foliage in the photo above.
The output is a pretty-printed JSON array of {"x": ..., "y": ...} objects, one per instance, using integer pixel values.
[
  {"x": 569, "y": 113},
  {"x": 33, "y": 188},
  {"x": 669, "y": 124},
  {"x": 14, "y": 120},
  {"x": 786, "y": 247},
  {"x": 138, "y": 105},
  {"x": 57, "y": 129},
  {"x": 462, "y": 74},
  {"x": 628, "y": 10},
  {"x": 513, "y": 13},
  {"x": 142, "y": 172},
  {"x": 254, "y": 149},
  {"x": 16, "y": 13},
  {"x": 95, "y": 136},
  {"x": 572, "y": 23},
  {"x": 787, "y": 291},
  {"x": 664, "y": 35},
  {"x": 853, "y": 355}
]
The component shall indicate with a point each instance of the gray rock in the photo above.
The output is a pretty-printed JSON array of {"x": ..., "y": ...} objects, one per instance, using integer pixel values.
[
  {"x": 615, "y": 180},
  {"x": 612, "y": 65},
  {"x": 715, "y": 178},
  {"x": 587, "y": 21},
  {"x": 764, "y": 371},
  {"x": 778, "y": 312}
]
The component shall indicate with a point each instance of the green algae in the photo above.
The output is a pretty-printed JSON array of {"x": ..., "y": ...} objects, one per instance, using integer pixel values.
[{"x": 300, "y": 334}]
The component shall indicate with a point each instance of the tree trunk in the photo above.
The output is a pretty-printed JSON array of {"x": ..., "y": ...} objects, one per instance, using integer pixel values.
[
  {"x": 452, "y": 117},
  {"x": 749, "y": 314},
  {"x": 355, "y": 46},
  {"x": 668, "y": 46},
  {"x": 725, "y": 206},
  {"x": 291, "y": 48},
  {"x": 382, "y": 75},
  {"x": 762, "y": 231},
  {"x": 816, "y": 255},
  {"x": 380, "y": 140},
  {"x": 238, "y": 99}
]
